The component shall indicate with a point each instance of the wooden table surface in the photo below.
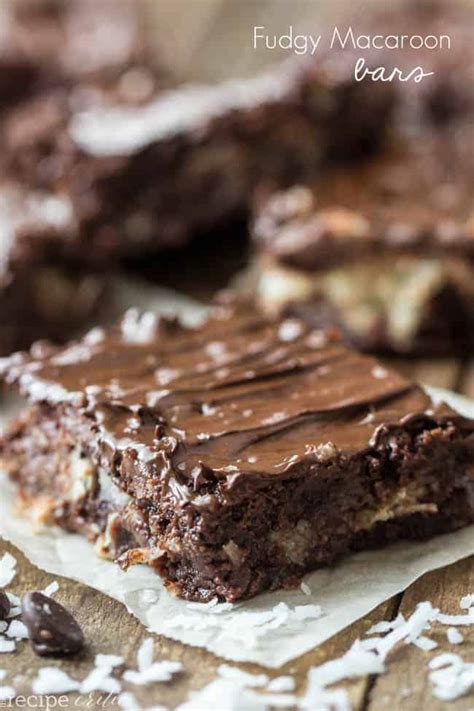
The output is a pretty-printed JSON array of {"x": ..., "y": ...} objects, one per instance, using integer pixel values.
[{"x": 212, "y": 38}]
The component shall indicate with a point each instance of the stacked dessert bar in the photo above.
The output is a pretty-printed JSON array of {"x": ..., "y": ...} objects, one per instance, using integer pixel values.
[
  {"x": 40, "y": 295},
  {"x": 138, "y": 168},
  {"x": 384, "y": 251},
  {"x": 50, "y": 48},
  {"x": 233, "y": 457},
  {"x": 140, "y": 178}
]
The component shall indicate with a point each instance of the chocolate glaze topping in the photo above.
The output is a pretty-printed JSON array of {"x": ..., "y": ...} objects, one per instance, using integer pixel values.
[{"x": 239, "y": 394}]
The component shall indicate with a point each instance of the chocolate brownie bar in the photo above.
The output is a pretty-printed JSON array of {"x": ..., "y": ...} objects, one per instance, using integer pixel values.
[
  {"x": 232, "y": 457},
  {"x": 385, "y": 251},
  {"x": 39, "y": 296},
  {"x": 189, "y": 160}
]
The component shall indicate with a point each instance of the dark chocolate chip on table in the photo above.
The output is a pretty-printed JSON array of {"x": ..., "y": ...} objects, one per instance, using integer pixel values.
[
  {"x": 51, "y": 628},
  {"x": 4, "y": 606}
]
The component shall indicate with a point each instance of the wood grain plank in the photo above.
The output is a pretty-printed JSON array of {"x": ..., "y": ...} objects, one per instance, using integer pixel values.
[
  {"x": 110, "y": 629},
  {"x": 406, "y": 683}
]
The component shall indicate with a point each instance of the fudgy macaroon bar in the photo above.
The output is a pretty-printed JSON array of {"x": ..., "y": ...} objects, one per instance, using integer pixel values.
[
  {"x": 187, "y": 160},
  {"x": 383, "y": 250},
  {"x": 233, "y": 457},
  {"x": 41, "y": 296}
]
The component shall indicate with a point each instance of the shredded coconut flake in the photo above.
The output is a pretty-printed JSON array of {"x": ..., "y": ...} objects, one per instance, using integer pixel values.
[
  {"x": 277, "y": 700},
  {"x": 145, "y": 654},
  {"x": 100, "y": 679},
  {"x": 128, "y": 702},
  {"x": 466, "y": 601},
  {"x": 6, "y": 645},
  {"x": 255, "y": 624},
  {"x": 15, "y": 605},
  {"x": 149, "y": 671},
  {"x": 242, "y": 677},
  {"x": 305, "y": 589},
  {"x": 317, "y": 699},
  {"x": 457, "y": 619},
  {"x": 424, "y": 643},
  {"x": 404, "y": 630},
  {"x": 281, "y": 684},
  {"x": 357, "y": 661},
  {"x": 380, "y": 627},
  {"x": 14, "y": 612},
  {"x": 108, "y": 660},
  {"x": 139, "y": 327},
  {"x": 51, "y": 680},
  {"x": 454, "y": 636},
  {"x": 451, "y": 676},
  {"x": 51, "y": 589},
  {"x": 234, "y": 690},
  {"x": 224, "y": 695},
  {"x": 7, "y": 569},
  {"x": 17, "y": 630},
  {"x": 158, "y": 671},
  {"x": 211, "y": 607},
  {"x": 386, "y": 625}
]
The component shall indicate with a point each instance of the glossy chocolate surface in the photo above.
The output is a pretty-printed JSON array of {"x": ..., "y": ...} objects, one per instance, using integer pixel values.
[{"x": 239, "y": 394}]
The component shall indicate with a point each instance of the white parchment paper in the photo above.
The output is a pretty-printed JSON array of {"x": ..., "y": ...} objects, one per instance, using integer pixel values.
[{"x": 345, "y": 592}]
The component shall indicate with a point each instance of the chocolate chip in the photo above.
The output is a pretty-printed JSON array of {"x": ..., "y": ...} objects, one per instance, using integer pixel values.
[
  {"x": 51, "y": 628},
  {"x": 4, "y": 606}
]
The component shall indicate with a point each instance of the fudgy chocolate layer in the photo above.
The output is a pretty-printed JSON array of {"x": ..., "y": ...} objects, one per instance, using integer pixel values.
[
  {"x": 236, "y": 456},
  {"x": 234, "y": 541}
]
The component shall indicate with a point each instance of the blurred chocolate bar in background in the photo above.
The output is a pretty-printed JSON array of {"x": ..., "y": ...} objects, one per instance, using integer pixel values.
[
  {"x": 385, "y": 251},
  {"x": 55, "y": 43},
  {"x": 39, "y": 295},
  {"x": 190, "y": 159},
  {"x": 160, "y": 176},
  {"x": 55, "y": 54}
]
